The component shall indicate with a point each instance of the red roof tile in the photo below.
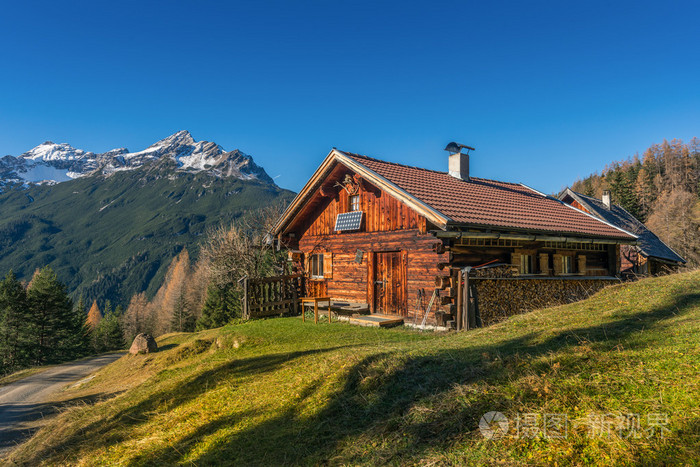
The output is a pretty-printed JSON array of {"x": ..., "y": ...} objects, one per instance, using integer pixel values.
[{"x": 489, "y": 203}]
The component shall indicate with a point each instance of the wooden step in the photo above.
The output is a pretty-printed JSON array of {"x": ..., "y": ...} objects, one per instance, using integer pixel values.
[{"x": 377, "y": 319}]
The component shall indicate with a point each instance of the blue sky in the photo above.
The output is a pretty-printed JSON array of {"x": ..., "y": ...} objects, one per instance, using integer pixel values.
[{"x": 545, "y": 91}]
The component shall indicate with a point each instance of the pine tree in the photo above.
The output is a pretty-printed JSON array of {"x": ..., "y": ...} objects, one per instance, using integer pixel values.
[
  {"x": 81, "y": 336},
  {"x": 622, "y": 189},
  {"x": 51, "y": 317},
  {"x": 109, "y": 333},
  {"x": 183, "y": 319},
  {"x": 14, "y": 315},
  {"x": 220, "y": 307}
]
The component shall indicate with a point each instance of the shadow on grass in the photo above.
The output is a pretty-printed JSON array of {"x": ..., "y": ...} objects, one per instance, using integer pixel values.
[
  {"x": 187, "y": 391},
  {"x": 16, "y": 423},
  {"x": 375, "y": 401},
  {"x": 165, "y": 347},
  {"x": 378, "y": 412}
]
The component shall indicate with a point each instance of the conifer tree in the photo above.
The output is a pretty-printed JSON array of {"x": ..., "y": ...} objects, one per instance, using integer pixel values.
[
  {"x": 183, "y": 319},
  {"x": 109, "y": 333},
  {"x": 81, "y": 337},
  {"x": 94, "y": 316},
  {"x": 220, "y": 307},
  {"x": 51, "y": 320},
  {"x": 14, "y": 315}
]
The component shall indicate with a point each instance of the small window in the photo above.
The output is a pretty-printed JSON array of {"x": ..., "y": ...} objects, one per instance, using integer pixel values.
[
  {"x": 526, "y": 264},
  {"x": 354, "y": 203},
  {"x": 567, "y": 266},
  {"x": 317, "y": 266}
]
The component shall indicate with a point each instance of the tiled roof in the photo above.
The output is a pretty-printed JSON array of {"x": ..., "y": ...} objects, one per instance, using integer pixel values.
[
  {"x": 647, "y": 241},
  {"x": 490, "y": 203}
]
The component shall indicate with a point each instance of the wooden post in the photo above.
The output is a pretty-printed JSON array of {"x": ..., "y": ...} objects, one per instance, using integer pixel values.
[
  {"x": 460, "y": 301},
  {"x": 245, "y": 310},
  {"x": 471, "y": 316},
  {"x": 467, "y": 308},
  {"x": 329, "y": 311},
  {"x": 477, "y": 315},
  {"x": 295, "y": 304}
]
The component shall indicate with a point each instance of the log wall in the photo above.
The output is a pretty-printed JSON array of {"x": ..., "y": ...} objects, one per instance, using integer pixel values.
[
  {"x": 382, "y": 213},
  {"x": 354, "y": 281}
]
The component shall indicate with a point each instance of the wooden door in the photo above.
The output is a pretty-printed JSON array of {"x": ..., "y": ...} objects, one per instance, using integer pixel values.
[{"x": 390, "y": 283}]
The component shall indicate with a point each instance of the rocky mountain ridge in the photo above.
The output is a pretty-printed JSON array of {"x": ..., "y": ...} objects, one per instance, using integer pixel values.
[{"x": 51, "y": 163}]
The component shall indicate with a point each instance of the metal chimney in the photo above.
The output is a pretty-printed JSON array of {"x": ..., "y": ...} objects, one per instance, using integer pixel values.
[{"x": 458, "y": 164}]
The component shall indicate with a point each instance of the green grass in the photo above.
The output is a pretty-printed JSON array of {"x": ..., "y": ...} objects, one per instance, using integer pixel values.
[{"x": 281, "y": 391}]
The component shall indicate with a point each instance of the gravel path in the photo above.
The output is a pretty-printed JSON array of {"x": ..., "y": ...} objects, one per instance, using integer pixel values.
[{"x": 24, "y": 402}]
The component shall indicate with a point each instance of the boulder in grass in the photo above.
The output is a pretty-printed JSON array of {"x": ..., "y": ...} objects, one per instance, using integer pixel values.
[{"x": 143, "y": 343}]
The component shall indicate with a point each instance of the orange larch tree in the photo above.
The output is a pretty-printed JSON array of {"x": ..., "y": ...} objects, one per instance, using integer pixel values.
[{"x": 94, "y": 316}]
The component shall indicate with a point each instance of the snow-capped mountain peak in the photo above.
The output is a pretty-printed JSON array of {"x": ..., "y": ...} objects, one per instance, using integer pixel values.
[
  {"x": 50, "y": 151},
  {"x": 180, "y": 138},
  {"x": 50, "y": 162}
]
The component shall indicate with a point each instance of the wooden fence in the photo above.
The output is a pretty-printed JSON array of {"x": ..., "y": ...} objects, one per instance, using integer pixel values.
[{"x": 271, "y": 296}]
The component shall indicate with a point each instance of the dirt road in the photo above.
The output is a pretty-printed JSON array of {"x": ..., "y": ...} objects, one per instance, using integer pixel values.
[{"x": 25, "y": 402}]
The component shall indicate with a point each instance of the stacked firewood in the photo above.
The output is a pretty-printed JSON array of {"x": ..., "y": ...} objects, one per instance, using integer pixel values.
[
  {"x": 496, "y": 271},
  {"x": 499, "y": 299}
]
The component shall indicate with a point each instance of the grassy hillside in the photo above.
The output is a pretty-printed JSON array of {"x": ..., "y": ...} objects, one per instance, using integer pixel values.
[
  {"x": 112, "y": 237},
  {"x": 285, "y": 392}
]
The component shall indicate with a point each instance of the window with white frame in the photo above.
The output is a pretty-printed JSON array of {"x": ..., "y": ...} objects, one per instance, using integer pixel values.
[
  {"x": 526, "y": 265},
  {"x": 316, "y": 264},
  {"x": 567, "y": 265},
  {"x": 354, "y": 203}
]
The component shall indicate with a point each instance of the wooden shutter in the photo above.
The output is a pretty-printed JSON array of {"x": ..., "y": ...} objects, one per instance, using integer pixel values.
[
  {"x": 582, "y": 264},
  {"x": 307, "y": 264},
  {"x": 558, "y": 265},
  {"x": 515, "y": 262},
  {"x": 544, "y": 263},
  {"x": 328, "y": 265}
]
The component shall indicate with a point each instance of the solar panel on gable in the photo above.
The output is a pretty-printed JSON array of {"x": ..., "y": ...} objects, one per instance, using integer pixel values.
[{"x": 348, "y": 221}]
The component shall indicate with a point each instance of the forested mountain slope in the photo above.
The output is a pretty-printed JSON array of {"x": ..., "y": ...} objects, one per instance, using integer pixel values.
[
  {"x": 661, "y": 188},
  {"x": 111, "y": 233}
]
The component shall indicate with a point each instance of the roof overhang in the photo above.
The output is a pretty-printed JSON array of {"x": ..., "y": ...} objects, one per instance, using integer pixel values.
[
  {"x": 339, "y": 157},
  {"x": 665, "y": 261},
  {"x": 533, "y": 236}
]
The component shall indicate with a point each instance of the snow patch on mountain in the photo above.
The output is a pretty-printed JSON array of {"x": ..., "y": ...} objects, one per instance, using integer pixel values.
[
  {"x": 50, "y": 151},
  {"x": 45, "y": 173},
  {"x": 54, "y": 163}
]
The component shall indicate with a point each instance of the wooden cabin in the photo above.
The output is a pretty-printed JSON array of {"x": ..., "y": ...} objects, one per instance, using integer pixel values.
[
  {"x": 649, "y": 256},
  {"x": 383, "y": 234}
]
